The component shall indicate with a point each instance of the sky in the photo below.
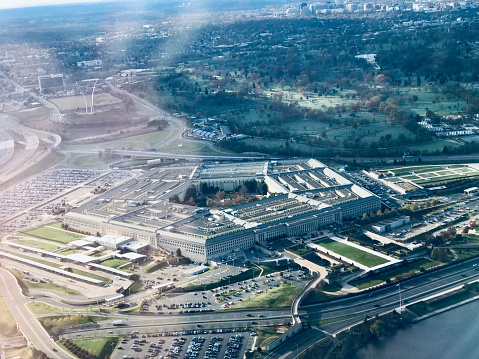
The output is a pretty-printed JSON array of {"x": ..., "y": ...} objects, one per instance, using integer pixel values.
[{"x": 10, "y": 4}]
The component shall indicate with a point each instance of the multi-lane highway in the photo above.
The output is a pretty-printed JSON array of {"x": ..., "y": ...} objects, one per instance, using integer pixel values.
[{"x": 348, "y": 310}]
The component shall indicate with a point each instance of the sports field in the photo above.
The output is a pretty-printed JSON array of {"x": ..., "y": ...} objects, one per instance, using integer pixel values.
[
  {"x": 428, "y": 176},
  {"x": 78, "y": 102},
  {"x": 353, "y": 253}
]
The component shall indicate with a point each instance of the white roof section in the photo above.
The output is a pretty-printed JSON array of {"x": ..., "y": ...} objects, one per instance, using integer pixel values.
[
  {"x": 78, "y": 243},
  {"x": 115, "y": 297},
  {"x": 114, "y": 239},
  {"x": 132, "y": 256},
  {"x": 110, "y": 270},
  {"x": 133, "y": 245},
  {"x": 162, "y": 285},
  {"x": 79, "y": 257},
  {"x": 52, "y": 269}
]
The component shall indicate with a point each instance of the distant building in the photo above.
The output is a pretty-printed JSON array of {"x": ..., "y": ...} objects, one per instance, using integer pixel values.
[
  {"x": 351, "y": 7},
  {"x": 92, "y": 63},
  {"x": 48, "y": 82},
  {"x": 390, "y": 224}
]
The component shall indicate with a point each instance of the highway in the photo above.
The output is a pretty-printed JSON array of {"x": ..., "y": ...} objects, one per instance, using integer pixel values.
[
  {"x": 32, "y": 329},
  {"x": 158, "y": 154},
  {"x": 355, "y": 307}
]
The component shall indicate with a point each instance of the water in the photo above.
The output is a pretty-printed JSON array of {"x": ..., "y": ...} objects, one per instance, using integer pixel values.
[{"x": 450, "y": 335}]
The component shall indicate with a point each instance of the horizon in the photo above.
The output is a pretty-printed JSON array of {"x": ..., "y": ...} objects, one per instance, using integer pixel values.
[{"x": 12, "y": 4}]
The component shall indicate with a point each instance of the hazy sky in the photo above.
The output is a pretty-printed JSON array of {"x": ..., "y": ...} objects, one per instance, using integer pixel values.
[{"x": 8, "y": 4}]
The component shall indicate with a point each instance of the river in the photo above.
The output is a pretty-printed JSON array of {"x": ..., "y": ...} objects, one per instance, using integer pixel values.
[{"x": 453, "y": 334}]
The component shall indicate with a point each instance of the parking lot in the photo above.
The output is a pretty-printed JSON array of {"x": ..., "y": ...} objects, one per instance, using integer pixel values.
[
  {"x": 199, "y": 344},
  {"x": 35, "y": 191}
]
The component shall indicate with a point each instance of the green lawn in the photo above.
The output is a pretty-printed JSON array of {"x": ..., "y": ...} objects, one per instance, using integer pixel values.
[
  {"x": 8, "y": 326},
  {"x": 355, "y": 254},
  {"x": 314, "y": 297},
  {"x": 99, "y": 347},
  {"x": 266, "y": 335},
  {"x": 45, "y": 286},
  {"x": 38, "y": 244},
  {"x": 43, "y": 308},
  {"x": 277, "y": 297},
  {"x": 114, "y": 263},
  {"x": 54, "y": 234}
]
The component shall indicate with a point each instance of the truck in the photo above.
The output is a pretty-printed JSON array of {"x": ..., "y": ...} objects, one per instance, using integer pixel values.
[{"x": 118, "y": 323}]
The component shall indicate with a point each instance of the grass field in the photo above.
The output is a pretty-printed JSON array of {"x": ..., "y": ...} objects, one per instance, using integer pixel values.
[
  {"x": 37, "y": 114},
  {"x": 41, "y": 286},
  {"x": 82, "y": 160},
  {"x": 266, "y": 335},
  {"x": 277, "y": 297},
  {"x": 8, "y": 325},
  {"x": 78, "y": 102},
  {"x": 114, "y": 263},
  {"x": 54, "y": 234},
  {"x": 38, "y": 244},
  {"x": 99, "y": 347},
  {"x": 355, "y": 254}
]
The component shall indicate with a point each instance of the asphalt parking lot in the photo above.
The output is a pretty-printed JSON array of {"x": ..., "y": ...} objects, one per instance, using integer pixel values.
[{"x": 203, "y": 344}]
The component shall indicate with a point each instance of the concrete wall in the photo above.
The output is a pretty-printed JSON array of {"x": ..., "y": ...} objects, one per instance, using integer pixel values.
[{"x": 284, "y": 337}]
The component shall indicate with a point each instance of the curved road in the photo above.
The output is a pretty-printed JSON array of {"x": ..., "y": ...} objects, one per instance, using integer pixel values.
[{"x": 33, "y": 330}]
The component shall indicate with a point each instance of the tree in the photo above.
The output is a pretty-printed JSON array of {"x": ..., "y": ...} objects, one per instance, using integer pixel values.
[
  {"x": 178, "y": 252},
  {"x": 377, "y": 328}
]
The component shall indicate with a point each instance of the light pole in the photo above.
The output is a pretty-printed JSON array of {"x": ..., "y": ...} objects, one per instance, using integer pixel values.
[{"x": 400, "y": 301}]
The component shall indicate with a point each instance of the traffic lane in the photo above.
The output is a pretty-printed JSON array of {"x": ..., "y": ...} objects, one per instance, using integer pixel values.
[
  {"x": 29, "y": 325},
  {"x": 151, "y": 328},
  {"x": 181, "y": 323}
]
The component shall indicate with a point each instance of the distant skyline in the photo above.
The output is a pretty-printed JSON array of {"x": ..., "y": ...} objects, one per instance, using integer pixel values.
[{"x": 12, "y": 4}]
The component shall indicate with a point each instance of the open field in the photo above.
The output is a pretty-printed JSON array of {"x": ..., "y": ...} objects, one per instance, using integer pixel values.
[
  {"x": 437, "y": 103},
  {"x": 8, "y": 325},
  {"x": 277, "y": 297},
  {"x": 37, "y": 114},
  {"x": 78, "y": 102},
  {"x": 99, "y": 347},
  {"x": 53, "y": 234},
  {"x": 41, "y": 286},
  {"x": 38, "y": 244},
  {"x": 355, "y": 254},
  {"x": 81, "y": 160}
]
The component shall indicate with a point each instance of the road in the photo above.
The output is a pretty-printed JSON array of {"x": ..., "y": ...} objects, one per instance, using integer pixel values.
[
  {"x": 33, "y": 330},
  {"x": 158, "y": 154}
]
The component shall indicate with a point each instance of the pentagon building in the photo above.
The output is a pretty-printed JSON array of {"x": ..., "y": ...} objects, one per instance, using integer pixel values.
[{"x": 302, "y": 196}]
